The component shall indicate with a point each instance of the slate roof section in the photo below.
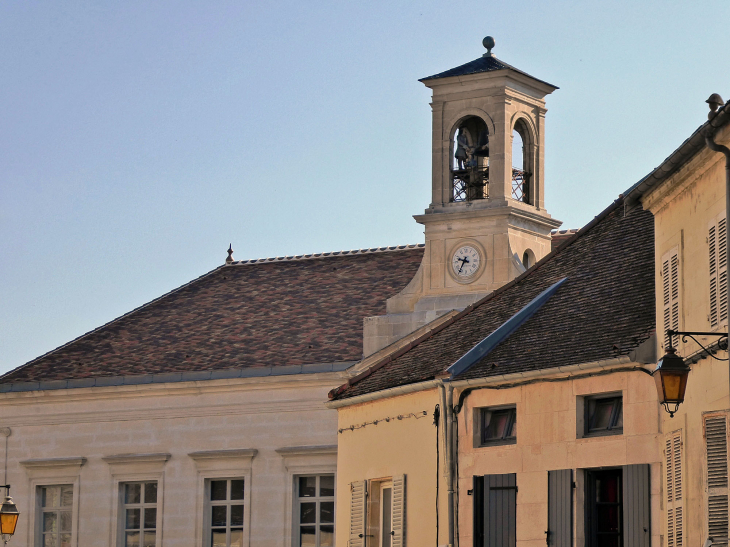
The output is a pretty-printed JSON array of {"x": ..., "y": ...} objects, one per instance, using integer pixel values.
[
  {"x": 605, "y": 309},
  {"x": 267, "y": 313},
  {"x": 485, "y": 63}
]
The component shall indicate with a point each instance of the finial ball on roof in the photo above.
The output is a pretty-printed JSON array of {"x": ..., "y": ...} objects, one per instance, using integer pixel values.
[{"x": 488, "y": 43}]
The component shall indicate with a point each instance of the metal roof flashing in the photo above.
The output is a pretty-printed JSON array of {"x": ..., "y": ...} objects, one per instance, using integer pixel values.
[{"x": 483, "y": 348}]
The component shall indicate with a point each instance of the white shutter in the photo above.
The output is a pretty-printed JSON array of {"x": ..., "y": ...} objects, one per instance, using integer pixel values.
[
  {"x": 717, "y": 247},
  {"x": 716, "y": 431},
  {"x": 358, "y": 513},
  {"x": 674, "y": 489},
  {"x": 670, "y": 294},
  {"x": 399, "y": 511}
]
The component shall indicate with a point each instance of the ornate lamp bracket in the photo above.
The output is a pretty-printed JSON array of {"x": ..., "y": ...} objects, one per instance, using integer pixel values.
[{"x": 722, "y": 339}]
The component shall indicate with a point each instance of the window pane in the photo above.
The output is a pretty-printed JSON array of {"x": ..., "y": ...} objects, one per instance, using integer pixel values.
[
  {"x": 308, "y": 513},
  {"x": 236, "y": 515},
  {"x": 307, "y": 487},
  {"x": 132, "y": 519},
  {"x": 150, "y": 538},
  {"x": 237, "y": 490},
  {"x": 327, "y": 485},
  {"x": 49, "y": 522},
  {"x": 65, "y": 540},
  {"x": 67, "y": 496},
  {"x": 497, "y": 427},
  {"x": 308, "y": 536},
  {"x": 326, "y": 536},
  {"x": 132, "y": 493},
  {"x": 327, "y": 511},
  {"x": 620, "y": 417},
  {"x": 51, "y": 496},
  {"x": 237, "y": 538},
  {"x": 150, "y": 518},
  {"x": 49, "y": 540},
  {"x": 602, "y": 416},
  {"x": 218, "y": 538},
  {"x": 65, "y": 521},
  {"x": 218, "y": 515},
  {"x": 150, "y": 492},
  {"x": 132, "y": 539},
  {"x": 218, "y": 490}
]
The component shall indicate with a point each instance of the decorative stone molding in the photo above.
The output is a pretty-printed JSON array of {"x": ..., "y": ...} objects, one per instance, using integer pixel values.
[
  {"x": 53, "y": 462},
  {"x": 307, "y": 450},
  {"x": 234, "y": 453},
  {"x": 160, "y": 457}
]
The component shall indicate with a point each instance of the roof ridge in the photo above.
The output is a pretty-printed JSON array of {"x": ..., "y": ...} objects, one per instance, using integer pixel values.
[
  {"x": 310, "y": 256},
  {"x": 471, "y": 307}
]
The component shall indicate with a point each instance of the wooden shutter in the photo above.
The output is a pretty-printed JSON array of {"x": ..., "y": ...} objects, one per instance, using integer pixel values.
[
  {"x": 670, "y": 294},
  {"x": 636, "y": 505},
  {"x": 560, "y": 508},
  {"x": 399, "y": 511},
  {"x": 358, "y": 513},
  {"x": 717, "y": 246},
  {"x": 717, "y": 482},
  {"x": 500, "y": 510},
  {"x": 674, "y": 489}
]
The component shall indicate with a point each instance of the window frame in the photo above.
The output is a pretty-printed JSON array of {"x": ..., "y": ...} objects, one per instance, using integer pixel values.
[
  {"x": 317, "y": 499},
  {"x": 590, "y": 505},
  {"x": 617, "y": 411},
  {"x": 208, "y": 504},
  {"x": 122, "y": 510},
  {"x": 40, "y": 512},
  {"x": 482, "y": 412}
]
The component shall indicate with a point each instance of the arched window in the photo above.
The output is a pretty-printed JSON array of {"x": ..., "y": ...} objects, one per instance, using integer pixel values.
[
  {"x": 528, "y": 259},
  {"x": 521, "y": 162},
  {"x": 470, "y": 160}
]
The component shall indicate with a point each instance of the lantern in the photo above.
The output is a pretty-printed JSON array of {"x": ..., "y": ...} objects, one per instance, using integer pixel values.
[
  {"x": 8, "y": 518},
  {"x": 670, "y": 376}
]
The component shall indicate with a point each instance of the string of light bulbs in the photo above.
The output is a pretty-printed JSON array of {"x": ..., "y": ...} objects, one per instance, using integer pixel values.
[{"x": 353, "y": 427}]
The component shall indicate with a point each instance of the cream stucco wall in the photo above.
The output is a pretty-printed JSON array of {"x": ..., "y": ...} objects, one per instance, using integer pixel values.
[
  {"x": 683, "y": 206},
  {"x": 79, "y": 429}
]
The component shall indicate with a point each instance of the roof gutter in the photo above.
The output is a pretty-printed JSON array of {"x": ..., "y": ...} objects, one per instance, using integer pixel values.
[{"x": 603, "y": 364}]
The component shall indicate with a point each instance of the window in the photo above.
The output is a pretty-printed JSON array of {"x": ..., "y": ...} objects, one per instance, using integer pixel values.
[
  {"x": 225, "y": 511},
  {"x": 139, "y": 514},
  {"x": 315, "y": 511},
  {"x": 604, "y": 510},
  {"x": 499, "y": 426},
  {"x": 603, "y": 416},
  {"x": 56, "y": 514},
  {"x": 528, "y": 259}
]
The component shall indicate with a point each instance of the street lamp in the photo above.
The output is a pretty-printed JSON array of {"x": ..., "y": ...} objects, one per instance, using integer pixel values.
[
  {"x": 8, "y": 516},
  {"x": 671, "y": 371}
]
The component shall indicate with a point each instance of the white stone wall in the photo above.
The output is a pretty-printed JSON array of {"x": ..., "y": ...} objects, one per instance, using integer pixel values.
[{"x": 69, "y": 435}]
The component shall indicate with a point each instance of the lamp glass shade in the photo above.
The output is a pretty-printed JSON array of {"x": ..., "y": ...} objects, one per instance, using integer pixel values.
[
  {"x": 8, "y": 517},
  {"x": 671, "y": 378}
]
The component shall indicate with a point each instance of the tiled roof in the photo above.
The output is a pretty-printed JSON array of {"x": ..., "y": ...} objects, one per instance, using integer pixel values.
[
  {"x": 604, "y": 309},
  {"x": 274, "y": 312},
  {"x": 485, "y": 63}
]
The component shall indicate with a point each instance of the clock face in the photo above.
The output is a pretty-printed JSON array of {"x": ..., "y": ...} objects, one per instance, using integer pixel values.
[{"x": 466, "y": 261}]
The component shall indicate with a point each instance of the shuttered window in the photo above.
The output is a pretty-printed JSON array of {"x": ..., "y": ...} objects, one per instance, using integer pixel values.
[
  {"x": 358, "y": 513},
  {"x": 560, "y": 508},
  {"x": 670, "y": 294},
  {"x": 399, "y": 511},
  {"x": 674, "y": 489},
  {"x": 716, "y": 430},
  {"x": 495, "y": 510},
  {"x": 717, "y": 247},
  {"x": 636, "y": 506}
]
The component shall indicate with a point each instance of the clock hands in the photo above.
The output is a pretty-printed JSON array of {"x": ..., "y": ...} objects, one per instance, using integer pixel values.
[{"x": 463, "y": 261}]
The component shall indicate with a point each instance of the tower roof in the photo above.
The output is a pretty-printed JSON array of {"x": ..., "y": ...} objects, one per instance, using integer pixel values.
[{"x": 486, "y": 63}]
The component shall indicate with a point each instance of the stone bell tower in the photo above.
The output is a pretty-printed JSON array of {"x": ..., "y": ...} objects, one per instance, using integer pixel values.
[{"x": 487, "y": 221}]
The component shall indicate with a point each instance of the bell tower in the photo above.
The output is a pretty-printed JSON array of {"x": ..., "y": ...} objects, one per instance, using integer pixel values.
[{"x": 486, "y": 222}]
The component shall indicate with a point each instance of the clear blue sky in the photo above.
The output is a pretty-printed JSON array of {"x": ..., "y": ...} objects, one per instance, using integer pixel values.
[{"x": 139, "y": 139}]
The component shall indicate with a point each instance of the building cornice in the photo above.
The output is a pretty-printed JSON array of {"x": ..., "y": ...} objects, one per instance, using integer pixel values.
[
  {"x": 53, "y": 462},
  {"x": 159, "y": 457},
  {"x": 235, "y": 453}
]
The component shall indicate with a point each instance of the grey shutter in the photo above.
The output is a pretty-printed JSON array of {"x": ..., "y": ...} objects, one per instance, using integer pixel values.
[
  {"x": 673, "y": 484},
  {"x": 358, "y": 513},
  {"x": 560, "y": 508},
  {"x": 717, "y": 481},
  {"x": 637, "y": 508},
  {"x": 399, "y": 511},
  {"x": 500, "y": 510},
  {"x": 717, "y": 246},
  {"x": 670, "y": 294}
]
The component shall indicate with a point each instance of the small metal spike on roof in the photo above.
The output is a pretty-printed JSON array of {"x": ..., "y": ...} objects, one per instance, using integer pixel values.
[{"x": 229, "y": 260}]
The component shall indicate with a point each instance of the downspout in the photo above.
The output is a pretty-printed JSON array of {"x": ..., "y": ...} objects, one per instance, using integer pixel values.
[{"x": 447, "y": 399}]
